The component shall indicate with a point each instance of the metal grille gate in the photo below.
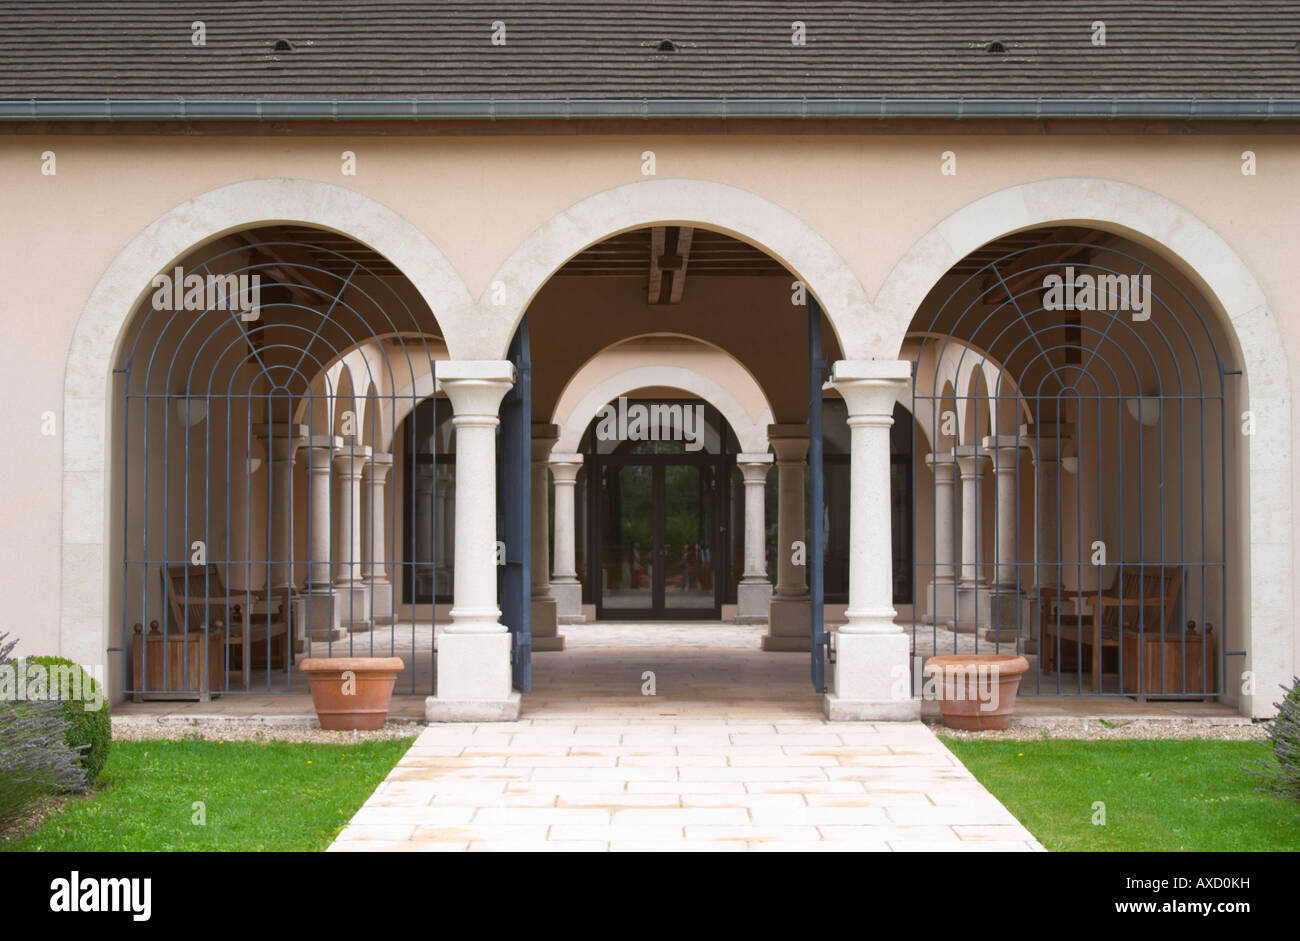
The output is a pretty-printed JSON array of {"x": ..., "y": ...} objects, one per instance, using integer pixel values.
[
  {"x": 1099, "y": 546},
  {"x": 240, "y": 555}
]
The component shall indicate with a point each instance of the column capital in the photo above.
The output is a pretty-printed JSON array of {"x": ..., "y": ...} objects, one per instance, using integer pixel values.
[
  {"x": 282, "y": 439},
  {"x": 1005, "y": 450},
  {"x": 351, "y": 459},
  {"x": 870, "y": 387},
  {"x": 971, "y": 459},
  {"x": 565, "y": 467},
  {"x": 943, "y": 464},
  {"x": 544, "y": 437},
  {"x": 475, "y": 388},
  {"x": 1046, "y": 442},
  {"x": 754, "y": 467},
  {"x": 789, "y": 441}
]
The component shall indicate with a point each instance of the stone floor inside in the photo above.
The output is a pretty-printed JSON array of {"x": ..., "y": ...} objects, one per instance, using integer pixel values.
[{"x": 700, "y": 669}]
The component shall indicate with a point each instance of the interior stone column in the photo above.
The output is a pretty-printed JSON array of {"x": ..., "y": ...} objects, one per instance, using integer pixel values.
[
  {"x": 427, "y": 546},
  {"x": 473, "y": 652},
  {"x": 1046, "y": 444},
  {"x": 545, "y": 610},
  {"x": 872, "y": 676},
  {"x": 565, "y": 587},
  {"x": 941, "y": 600},
  {"x": 350, "y": 589},
  {"x": 789, "y": 615},
  {"x": 754, "y": 593},
  {"x": 282, "y": 442},
  {"x": 1004, "y": 595},
  {"x": 318, "y": 592},
  {"x": 374, "y": 480},
  {"x": 971, "y": 584},
  {"x": 444, "y": 534}
]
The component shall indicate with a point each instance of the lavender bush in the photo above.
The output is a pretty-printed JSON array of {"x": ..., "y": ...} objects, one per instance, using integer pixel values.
[
  {"x": 1283, "y": 773},
  {"x": 34, "y": 760}
]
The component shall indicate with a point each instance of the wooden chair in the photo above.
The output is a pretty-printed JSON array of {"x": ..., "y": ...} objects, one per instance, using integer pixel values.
[
  {"x": 208, "y": 605},
  {"x": 1145, "y": 602}
]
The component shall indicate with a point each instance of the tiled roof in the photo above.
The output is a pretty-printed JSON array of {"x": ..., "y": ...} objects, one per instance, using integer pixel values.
[{"x": 601, "y": 49}]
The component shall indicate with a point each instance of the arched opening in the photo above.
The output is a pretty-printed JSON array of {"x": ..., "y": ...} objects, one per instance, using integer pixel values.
[
  {"x": 252, "y": 518},
  {"x": 1082, "y": 514}
]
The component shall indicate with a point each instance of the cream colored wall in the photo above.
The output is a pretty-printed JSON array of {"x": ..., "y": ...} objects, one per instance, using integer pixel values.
[{"x": 478, "y": 199}]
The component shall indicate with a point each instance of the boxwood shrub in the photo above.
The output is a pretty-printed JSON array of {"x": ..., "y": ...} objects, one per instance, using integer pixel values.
[{"x": 90, "y": 732}]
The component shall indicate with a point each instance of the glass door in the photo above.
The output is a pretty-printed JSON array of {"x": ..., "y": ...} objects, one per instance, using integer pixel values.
[{"x": 657, "y": 539}]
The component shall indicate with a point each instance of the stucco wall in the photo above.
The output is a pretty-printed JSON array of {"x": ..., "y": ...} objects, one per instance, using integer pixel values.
[{"x": 844, "y": 212}]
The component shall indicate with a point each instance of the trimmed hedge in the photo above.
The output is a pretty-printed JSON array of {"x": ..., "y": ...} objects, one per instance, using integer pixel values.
[{"x": 90, "y": 732}]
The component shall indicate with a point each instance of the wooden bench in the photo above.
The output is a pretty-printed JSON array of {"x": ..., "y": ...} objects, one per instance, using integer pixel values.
[
  {"x": 206, "y": 605},
  {"x": 1144, "y": 604}
]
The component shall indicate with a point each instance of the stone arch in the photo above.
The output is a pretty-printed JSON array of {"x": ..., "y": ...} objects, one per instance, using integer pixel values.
[
  {"x": 750, "y": 429},
  {"x": 87, "y": 390},
  {"x": 706, "y": 204},
  {"x": 1239, "y": 303}
]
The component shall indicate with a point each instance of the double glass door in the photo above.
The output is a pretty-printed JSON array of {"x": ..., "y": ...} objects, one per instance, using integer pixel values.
[{"x": 660, "y": 543}]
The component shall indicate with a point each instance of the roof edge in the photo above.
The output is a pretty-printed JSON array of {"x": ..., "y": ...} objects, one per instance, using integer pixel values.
[{"x": 496, "y": 109}]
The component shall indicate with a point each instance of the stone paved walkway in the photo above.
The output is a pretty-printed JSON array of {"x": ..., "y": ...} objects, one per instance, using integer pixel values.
[{"x": 731, "y": 753}]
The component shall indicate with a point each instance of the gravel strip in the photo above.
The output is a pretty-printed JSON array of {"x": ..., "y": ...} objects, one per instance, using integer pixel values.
[
  {"x": 1089, "y": 729},
  {"x": 137, "y": 729}
]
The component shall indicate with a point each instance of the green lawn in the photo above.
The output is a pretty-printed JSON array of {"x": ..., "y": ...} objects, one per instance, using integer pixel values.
[
  {"x": 1166, "y": 794},
  {"x": 255, "y": 796}
]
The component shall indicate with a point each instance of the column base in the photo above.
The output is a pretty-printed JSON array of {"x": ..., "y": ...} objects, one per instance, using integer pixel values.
[
  {"x": 872, "y": 679},
  {"x": 352, "y": 600},
  {"x": 381, "y": 600},
  {"x": 752, "y": 600},
  {"x": 568, "y": 601},
  {"x": 970, "y": 609},
  {"x": 474, "y": 678},
  {"x": 941, "y": 604},
  {"x": 320, "y": 613},
  {"x": 437, "y": 709},
  {"x": 545, "y": 625},
  {"x": 789, "y": 626},
  {"x": 868, "y": 710},
  {"x": 1005, "y": 609}
]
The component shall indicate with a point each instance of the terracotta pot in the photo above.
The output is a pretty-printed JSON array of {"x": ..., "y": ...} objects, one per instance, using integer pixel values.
[
  {"x": 358, "y": 701},
  {"x": 976, "y": 691}
]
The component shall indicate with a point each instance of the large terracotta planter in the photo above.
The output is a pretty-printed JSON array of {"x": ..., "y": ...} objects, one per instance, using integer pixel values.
[
  {"x": 352, "y": 692},
  {"x": 976, "y": 691}
]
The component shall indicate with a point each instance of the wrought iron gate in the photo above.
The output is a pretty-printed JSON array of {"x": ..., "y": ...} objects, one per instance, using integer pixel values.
[
  {"x": 257, "y": 403},
  {"x": 817, "y": 548},
  {"x": 514, "y": 510},
  {"x": 1073, "y": 397}
]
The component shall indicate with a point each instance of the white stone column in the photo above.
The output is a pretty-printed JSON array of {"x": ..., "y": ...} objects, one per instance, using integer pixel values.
[
  {"x": 972, "y": 586},
  {"x": 788, "y": 622},
  {"x": 473, "y": 652},
  {"x": 374, "y": 480},
  {"x": 1004, "y": 595},
  {"x": 941, "y": 599},
  {"x": 318, "y": 592},
  {"x": 427, "y": 546},
  {"x": 545, "y": 611},
  {"x": 282, "y": 442},
  {"x": 1046, "y": 444},
  {"x": 565, "y": 587},
  {"x": 754, "y": 593},
  {"x": 872, "y": 674},
  {"x": 351, "y": 593},
  {"x": 445, "y": 533}
]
